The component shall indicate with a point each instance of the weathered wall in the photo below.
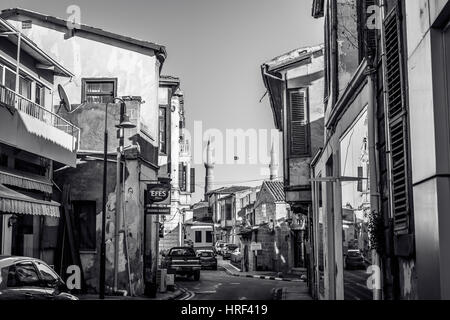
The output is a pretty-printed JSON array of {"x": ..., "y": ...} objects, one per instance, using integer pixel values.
[
  {"x": 275, "y": 252},
  {"x": 86, "y": 184},
  {"x": 429, "y": 122},
  {"x": 137, "y": 74}
]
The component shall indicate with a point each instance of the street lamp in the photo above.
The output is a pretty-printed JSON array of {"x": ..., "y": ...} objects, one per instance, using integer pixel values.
[{"x": 124, "y": 124}]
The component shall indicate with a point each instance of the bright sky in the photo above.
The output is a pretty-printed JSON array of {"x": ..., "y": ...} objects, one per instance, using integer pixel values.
[{"x": 216, "y": 47}]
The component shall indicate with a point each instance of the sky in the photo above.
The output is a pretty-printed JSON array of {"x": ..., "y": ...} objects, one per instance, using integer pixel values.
[{"x": 216, "y": 48}]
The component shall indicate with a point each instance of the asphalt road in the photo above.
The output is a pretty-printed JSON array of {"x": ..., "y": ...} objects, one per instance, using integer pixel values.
[
  {"x": 355, "y": 285},
  {"x": 218, "y": 285}
]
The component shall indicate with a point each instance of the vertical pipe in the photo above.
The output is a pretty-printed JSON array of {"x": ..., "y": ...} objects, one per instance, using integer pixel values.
[
  {"x": 19, "y": 41},
  {"x": 103, "y": 244},
  {"x": 118, "y": 212},
  {"x": 373, "y": 175}
]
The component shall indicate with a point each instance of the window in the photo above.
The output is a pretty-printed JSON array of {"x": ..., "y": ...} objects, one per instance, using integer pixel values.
[
  {"x": 85, "y": 214},
  {"x": 198, "y": 236},
  {"x": 10, "y": 79},
  {"x": 209, "y": 236},
  {"x": 98, "y": 90},
  {"x": 47, "y": 274},
  {"x": 22, "y": 274},
  {"x": 1, "y": 74},
  {"x": 228, "y": 214},
  {"x": 162, "y": 130},
  {"x": 298, "y": 123},
  {"x": 39, "y": 95},
  {"x": 25, "y": 87},
  {"x": 182, "y": 176}
]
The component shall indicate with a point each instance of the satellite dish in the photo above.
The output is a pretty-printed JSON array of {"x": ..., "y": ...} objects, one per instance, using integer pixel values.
[{"x": 64, "y": 99}]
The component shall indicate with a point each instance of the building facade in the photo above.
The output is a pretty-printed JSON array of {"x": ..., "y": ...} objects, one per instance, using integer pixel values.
[
  {"x": 295, "y": 83},
  {"x": 385, "y": 160},
  {"x": 34, "y": 140},
  {"x": 121, "y": 68},
  {"x": 175, "y": 161}
]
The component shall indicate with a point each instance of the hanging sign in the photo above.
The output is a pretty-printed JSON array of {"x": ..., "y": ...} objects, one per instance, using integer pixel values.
[{"x": 157, "y": 199}]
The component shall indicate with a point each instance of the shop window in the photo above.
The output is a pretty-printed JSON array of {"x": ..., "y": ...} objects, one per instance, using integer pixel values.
[
  {"x": 198, "y": 236},
  {"x": 85, "y": 224}
]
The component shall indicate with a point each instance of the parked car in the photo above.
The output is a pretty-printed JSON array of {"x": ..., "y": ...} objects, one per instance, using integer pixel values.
[
  {"x": 229, "y": 248},
  {"x": 220, "y": 245},
  {"x": 207, "y": 259},
  {"x": 24, "y": 278},
  {"x": 354, "y": 260},
  {"x": 236, "y": 256},
  {"x": 183, "y": 261}
]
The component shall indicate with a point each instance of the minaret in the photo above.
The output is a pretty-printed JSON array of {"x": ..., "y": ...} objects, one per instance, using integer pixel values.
[
  {"x": 273, "y": 163},
  {"x": 209, "y": 166}
]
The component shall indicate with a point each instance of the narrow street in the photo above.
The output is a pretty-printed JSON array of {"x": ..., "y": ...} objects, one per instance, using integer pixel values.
[
  {"x": 218, "y": 285},
  {"x": 355, "y": 287}
]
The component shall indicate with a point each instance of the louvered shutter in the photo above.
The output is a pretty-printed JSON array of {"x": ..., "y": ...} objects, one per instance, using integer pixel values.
[
  {"x": 397, "y": 121},
  {"x": 298, "y": 123},
  {"x": 192, "y": 180},
  {"x": 182, "y": 176}
]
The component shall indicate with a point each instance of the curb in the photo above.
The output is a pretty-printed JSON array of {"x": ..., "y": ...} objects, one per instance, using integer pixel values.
[{"x": 260, "y": 277}]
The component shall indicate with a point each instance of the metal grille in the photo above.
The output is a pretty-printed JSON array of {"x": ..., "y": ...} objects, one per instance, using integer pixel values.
[{"x": 397, "y": 121}]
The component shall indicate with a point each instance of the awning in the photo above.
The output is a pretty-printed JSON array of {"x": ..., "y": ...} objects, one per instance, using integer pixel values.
[
  {"x": 25, "y": 180},
  {"x": 12, "y": 201}
]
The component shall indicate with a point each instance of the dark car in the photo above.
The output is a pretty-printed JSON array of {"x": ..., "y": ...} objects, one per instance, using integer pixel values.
[
  {"x": 354, "y": 260},
  {"x": 229, "y": 248},
  {"x": 207, "y": 259},
  {"x": 182, "y": 261},
  {"x": 23, "y": 278}
]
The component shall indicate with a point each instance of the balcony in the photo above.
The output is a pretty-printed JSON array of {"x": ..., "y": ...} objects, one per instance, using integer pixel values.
[
  {"x": 185, "y": 148},
  {"x": 36, "y": 129}
]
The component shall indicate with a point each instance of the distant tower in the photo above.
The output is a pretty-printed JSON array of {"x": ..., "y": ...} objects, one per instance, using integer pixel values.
[
  {"x": 273, "y": 163},
  {"x": 209, "y": 166}
]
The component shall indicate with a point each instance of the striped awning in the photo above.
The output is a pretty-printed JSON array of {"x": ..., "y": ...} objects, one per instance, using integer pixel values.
[
  {"x": 25, "y": 180},
  {"x": 12, "y": 201}
]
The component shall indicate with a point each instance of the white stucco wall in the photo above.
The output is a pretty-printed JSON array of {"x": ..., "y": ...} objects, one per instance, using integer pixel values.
[{"x": 137, "y": 74}]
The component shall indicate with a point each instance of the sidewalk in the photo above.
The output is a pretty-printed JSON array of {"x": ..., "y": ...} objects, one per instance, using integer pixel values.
[
  {"x": 169, "y": 295},
  {"x": 266, "y": 275},
  {"x": 297, "y": 293}
]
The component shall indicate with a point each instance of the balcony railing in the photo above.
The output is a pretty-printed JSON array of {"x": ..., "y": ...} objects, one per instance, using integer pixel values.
[
  {"x": 184, "y": 148},
  {"x": 8, "y": 98}
]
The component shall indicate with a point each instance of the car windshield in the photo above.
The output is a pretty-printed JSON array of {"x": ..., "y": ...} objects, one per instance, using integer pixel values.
[
  {"x": 206, "y": 254},
  {"x": 182, "y": 252}
]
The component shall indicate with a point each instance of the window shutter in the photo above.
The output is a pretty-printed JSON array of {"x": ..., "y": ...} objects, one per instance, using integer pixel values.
[
  {"x": 397, "y": 122},
  {"x": 298, "y": 123},
  {"x": 192, "y": 180},
  {"x": 182, "y": 176}
]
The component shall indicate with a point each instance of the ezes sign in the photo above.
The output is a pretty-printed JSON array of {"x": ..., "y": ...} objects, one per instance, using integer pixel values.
[{"x": 158, "y": 199}]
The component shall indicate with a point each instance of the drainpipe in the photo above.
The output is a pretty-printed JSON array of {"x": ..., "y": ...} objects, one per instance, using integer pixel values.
[
  {"x": 386, "y": 106},
  {"x": 19, "y": 41},
  {"x": 373, "y": 175}
]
